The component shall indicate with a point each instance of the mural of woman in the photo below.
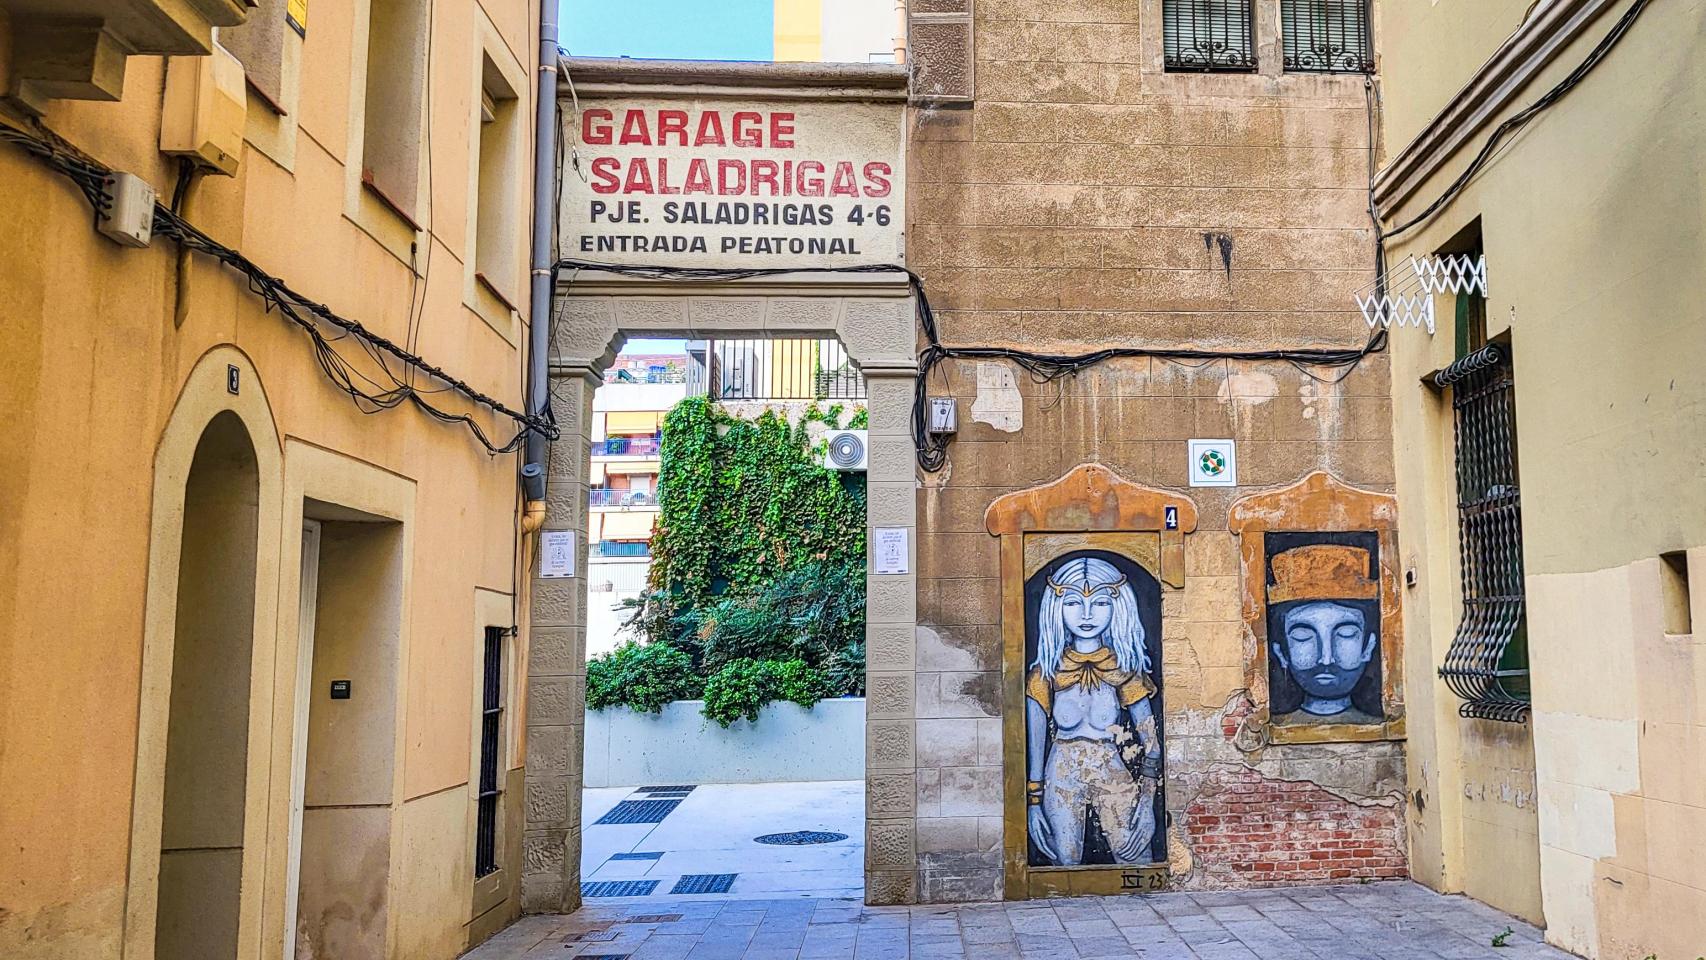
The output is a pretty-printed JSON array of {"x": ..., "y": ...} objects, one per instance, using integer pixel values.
[{"x": 1090, "y": 677}]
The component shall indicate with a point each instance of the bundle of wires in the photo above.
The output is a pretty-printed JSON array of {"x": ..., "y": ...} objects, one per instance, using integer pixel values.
[
  {"x": 386, "y": 389},
  {"x": 932, "y": 449}
]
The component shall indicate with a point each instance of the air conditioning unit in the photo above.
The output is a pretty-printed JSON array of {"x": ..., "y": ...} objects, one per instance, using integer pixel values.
[{"x": 847, "y": 450}]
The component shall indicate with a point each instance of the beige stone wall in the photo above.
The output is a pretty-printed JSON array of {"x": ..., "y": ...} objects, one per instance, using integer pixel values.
[
  {"x": 113, "y": 364},
  {"x": 1594, "y": 279},
  {"x": 1080, "y": 203}
]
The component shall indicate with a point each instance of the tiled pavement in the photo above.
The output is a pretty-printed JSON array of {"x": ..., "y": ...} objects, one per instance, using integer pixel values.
[
  {"x": 1385, "y": 921},
  {"x": 713, "y": 831}
]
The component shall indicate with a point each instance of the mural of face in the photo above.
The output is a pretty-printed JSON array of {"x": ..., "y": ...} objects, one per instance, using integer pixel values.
[
  {"x": 1087, "y": 617},
  {"x": 1326, "y": 647}
]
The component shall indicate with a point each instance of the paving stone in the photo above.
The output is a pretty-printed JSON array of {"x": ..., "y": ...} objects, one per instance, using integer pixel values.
[
  {"x": 1108, "y": 946},
  {"x": 1394, "y": 921}
]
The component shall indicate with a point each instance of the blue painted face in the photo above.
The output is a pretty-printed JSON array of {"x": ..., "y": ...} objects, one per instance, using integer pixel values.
[
  {"x": 1087, "y": 618},
  {"x": 1326, "y": 648}
]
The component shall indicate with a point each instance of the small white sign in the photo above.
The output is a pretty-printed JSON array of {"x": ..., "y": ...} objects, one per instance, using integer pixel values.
[
  {"x": 1214, "y": 463},
  {"x": 557, "y": 553},
  {"x": 890, "y": 551}
]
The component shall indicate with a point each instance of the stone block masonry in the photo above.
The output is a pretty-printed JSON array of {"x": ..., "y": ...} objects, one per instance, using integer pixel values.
[{"x": 1087, "y": 198}]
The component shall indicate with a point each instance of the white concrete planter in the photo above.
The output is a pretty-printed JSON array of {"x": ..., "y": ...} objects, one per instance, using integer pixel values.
[{"x": 680, "y": 745}]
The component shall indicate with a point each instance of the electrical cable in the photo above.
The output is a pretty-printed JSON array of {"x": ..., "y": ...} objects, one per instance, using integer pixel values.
[
  {"x": 1521, "y": 118},
  {"x": 89, "y": 176},
  {"x": 423, "y": 279},
  {"x": 1043, "y": 367},
  {"x": 1370, "y": 95}
]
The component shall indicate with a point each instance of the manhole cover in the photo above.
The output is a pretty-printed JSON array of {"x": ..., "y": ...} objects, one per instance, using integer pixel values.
[{"x": 800, "y": 838}]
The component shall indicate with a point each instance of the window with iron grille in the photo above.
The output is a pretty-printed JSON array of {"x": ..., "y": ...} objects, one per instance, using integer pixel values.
[
  {"x": 1487, "y": 663},
  {"x": 491, "y": 754},
  {"x": 1326, "y": 36},
  {"x": 1208, "y": 34}
]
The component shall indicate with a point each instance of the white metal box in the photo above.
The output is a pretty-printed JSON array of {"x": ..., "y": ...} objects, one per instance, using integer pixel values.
[{"x": 204, "y": 110}]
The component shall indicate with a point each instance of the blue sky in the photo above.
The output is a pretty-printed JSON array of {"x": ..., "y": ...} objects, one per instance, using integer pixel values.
[
  {"x": 646, "y": 346},
  {"x": 680, "y": 29}
]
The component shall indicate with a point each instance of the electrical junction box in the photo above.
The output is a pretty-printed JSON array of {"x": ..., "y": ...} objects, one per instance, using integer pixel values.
[
  {"x": 944, "y": 415},
  {"x": 129, "y": 219},
  {"x": 204, "y": 111}
]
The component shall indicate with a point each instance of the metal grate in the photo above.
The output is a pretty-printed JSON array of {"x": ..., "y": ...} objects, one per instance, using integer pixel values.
[
  {"x": 800, "y": 838},
  {"x": 619, "y": 888},
  {"x": 1486, "y": 665},
  {"x": 678, "y": 788},
  {"x": 1326, "y": 36},
  {"x": 636, "y": 856},
  {"x": 1208, "y": 34},
  {"x": 491, "y": 732},
  {"x": 705, "y": 883},
  {"x": 652, "y": 918},
  {"x": 638, "y": 811}
]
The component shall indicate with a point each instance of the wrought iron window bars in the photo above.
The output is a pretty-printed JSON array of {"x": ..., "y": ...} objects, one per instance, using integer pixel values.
[
  {"x": 1209, "y": 34},
  {"x": 1326, "y": 36},
  {"x": 491, "y": 734},
  {"x": 1479, "y": 665}
]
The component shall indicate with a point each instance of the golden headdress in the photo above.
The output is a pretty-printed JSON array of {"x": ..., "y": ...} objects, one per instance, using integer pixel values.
[
  {"x": 1086, "y": 589},
  {"x": 1322, "y": 571}
]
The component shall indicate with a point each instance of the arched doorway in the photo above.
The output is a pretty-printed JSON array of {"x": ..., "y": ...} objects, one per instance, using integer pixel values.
[
  {"x": 207, "y": 731},
  {"x": 198, "y": 820}
]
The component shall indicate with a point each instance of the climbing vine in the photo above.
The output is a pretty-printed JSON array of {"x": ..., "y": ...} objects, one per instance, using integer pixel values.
[
  {"x": 758, "y": 562},
  {"x": 743, "y": 501}
]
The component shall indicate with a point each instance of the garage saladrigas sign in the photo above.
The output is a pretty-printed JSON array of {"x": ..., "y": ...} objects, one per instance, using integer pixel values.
[{"x": 732, "y": 183}]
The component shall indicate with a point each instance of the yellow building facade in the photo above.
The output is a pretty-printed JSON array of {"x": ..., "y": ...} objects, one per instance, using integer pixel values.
[
  {"x": 838, "y": 31},
  {"x": 260, "y": 666},
  {"x": 1548, "y": 438}
]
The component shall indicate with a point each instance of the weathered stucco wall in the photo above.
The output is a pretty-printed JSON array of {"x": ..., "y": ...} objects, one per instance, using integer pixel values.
[
  {"x": 1087, "y": 199},
  {"x": 105, "y": 348},
  {"x": 1590, "y": 220}
]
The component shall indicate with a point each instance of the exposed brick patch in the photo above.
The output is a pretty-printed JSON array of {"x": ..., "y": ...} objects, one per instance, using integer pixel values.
[
  {"x": 1237, "y": 711},
  {"x": 1246, "y": 830}
]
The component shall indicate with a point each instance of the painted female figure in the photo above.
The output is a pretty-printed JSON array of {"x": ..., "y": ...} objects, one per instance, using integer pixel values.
[{"x": 1090, "y": 678}]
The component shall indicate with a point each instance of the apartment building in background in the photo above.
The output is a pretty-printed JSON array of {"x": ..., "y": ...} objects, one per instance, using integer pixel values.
[
  {"x": 839, "y": 31},
  {"x": 748, "y": 377},
  {"x": 259, "y": 605},
  {"x": 1549, "y": 468},
  {"x": 622, "y": 501}
]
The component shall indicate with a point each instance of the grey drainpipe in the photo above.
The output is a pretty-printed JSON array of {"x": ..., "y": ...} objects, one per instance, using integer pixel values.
[{"x": 544, "y": 216}]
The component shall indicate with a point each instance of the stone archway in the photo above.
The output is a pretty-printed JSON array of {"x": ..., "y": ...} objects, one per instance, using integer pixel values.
[{"x": 873, "y": 316}]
